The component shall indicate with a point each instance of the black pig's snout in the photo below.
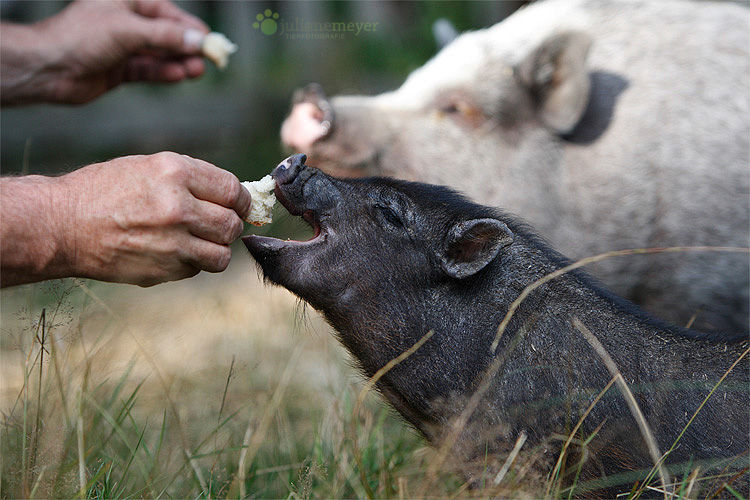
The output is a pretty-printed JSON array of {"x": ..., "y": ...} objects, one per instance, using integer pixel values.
[{"x": 286, "y": 171}]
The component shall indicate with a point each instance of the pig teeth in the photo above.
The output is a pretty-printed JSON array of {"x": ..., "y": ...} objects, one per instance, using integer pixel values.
[
  {"x": 217, "y": 47},
  {"x": 263, "y": 200}
]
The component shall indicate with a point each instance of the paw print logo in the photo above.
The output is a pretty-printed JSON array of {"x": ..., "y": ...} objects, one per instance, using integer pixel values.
[{"x": 267, "y": 22}]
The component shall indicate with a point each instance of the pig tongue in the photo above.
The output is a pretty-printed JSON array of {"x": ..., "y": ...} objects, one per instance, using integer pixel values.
[{"x": 303, "y": 126}]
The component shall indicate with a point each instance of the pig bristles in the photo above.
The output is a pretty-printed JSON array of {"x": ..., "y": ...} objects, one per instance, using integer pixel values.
[
  {"x": 635, "y": 410},
  {"x": 591, "y": 260},
  {"x": 460, "y": 422},
  {"x": 388, "y": 367},
  {"x": 695, "y": 414}
]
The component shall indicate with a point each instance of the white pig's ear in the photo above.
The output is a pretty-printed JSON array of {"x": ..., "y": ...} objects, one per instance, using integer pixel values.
[
  {"x": 471, "y": 245},
  {"x": 444, "y": 32},
  {"x": 556, "y": 75}
]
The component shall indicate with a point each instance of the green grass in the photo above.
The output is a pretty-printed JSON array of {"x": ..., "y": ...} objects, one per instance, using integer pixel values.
[{"x": 215, "y": 388}]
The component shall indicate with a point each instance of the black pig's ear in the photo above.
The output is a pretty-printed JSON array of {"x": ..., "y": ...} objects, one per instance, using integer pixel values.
[
  {"x": 471, "y": 245},
  {"x": 555, "y": 73}
]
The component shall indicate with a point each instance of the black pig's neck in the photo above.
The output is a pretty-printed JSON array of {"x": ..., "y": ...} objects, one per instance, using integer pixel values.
[{"x": 432, "y": 385}]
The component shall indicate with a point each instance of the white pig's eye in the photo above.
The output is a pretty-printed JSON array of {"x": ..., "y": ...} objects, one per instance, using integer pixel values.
[
  {"x": 451, "y": 108},
  {"x": 462, "y": 110}
]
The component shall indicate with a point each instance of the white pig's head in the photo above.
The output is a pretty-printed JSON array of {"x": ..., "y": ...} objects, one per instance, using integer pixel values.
[{"x": 489, "y": 92}]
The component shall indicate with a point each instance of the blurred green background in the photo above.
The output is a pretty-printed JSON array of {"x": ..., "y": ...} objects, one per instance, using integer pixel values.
[{"x": 232, "y": 118}]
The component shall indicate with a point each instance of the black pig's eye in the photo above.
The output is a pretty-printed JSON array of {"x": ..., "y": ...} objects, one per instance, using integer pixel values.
[{"x": 390, "y": 215}]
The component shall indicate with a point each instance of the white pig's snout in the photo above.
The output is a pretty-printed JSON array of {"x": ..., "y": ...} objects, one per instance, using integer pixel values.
[
  {"x": 304, "y": 125},
  {"x": 311, "y": 118}
]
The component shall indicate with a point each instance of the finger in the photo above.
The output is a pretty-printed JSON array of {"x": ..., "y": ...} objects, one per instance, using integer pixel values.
[
  {"x": 168, "y": 10},
  {"x": 211, "y": 183},
  {"x": 181, "y": 271},
  {"x": 207, "y": 256},
  {"x": 214, "y": 223},
  {"x": 153, "y": 69},
  {"x": 138, "y": 33},
  {"x": 194, "y": 66}
]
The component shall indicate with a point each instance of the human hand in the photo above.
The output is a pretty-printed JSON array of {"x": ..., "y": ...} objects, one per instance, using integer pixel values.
[
  {"x": 149, "y": 219},
  {"x": 93, "y": 46}
]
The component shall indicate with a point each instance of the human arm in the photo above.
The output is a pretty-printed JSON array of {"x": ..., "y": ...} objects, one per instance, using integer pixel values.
[
  {"x": 93, "y": 46},
  {"x": 137, "y": 219}
]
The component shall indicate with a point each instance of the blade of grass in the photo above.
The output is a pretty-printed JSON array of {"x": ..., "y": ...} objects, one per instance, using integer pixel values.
[
  {"x": 460, "y": 422},
  {"x": 386, "y": 368},
  {"x": 558, "y": 466},
  {"x": 37, "y": 482},
  {"x": 584, "y": 458},
  {"x": 371, "y": 382},
  {"x": 256, "y": 438},
  {"x": 511, "y": 457},
  {"x": 241, "y": 467},
  {"x": 157, "y": 449},
  {"x": 591, "y": 260},
  {"x": 700, "y": 407},
  {"x": 734, "y": 492},
  {"x": 81, "y": 454},
  {"x": 691, "y": 483},
  {"x": 24, "y": 427},
  {"x": 221, "y": 411},
  {"x": 645, "y": 429},
  {"x": 41, "y": 339}
]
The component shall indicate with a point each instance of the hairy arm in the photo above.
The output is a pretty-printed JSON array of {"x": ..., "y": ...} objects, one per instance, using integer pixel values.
[
  {"x": 91, "y": 47},
  {"x": 137, "y": 219}
]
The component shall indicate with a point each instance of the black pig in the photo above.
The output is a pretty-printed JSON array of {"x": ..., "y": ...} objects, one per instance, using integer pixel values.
[{"x": 392, "y": 260}]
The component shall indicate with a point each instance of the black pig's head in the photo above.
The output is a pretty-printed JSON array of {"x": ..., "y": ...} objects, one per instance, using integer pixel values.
[{"x": 389, "y": 261}]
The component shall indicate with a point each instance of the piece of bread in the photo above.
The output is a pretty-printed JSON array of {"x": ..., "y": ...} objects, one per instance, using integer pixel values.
[
  {"x": 263, "y": 197},
  {"x": 218, "y": 47}
]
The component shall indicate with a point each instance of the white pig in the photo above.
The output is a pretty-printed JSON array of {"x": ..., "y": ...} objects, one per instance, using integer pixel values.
[{"x": 606, "y": 124}]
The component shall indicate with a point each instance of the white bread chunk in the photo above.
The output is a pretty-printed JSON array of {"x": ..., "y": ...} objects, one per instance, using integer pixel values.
[
  {"x": 218, "y": 47},
  {"x": 263, "y": 200}
]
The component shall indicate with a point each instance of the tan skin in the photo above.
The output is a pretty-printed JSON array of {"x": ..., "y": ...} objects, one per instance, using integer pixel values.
[{"x": 136, "y": 219}]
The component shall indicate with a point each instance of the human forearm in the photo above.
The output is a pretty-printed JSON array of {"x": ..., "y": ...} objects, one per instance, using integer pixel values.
[
  {"x": 25, "y": 68},
  {"x": 33, "y": 212},
  {"x": 135, "y": 219},
  {"x": 91, "y": 47}
]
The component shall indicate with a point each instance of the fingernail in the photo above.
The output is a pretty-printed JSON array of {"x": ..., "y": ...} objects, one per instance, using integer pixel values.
[{"x": 192, "y": 39}]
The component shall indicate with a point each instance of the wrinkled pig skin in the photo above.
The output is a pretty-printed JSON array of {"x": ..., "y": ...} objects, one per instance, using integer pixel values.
[
  {"x": 393, "y": 260},
  {"x": 606, "y": 124}
]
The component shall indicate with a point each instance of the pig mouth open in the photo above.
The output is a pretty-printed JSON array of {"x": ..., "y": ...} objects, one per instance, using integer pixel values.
[{"x": 288, "y": 194}]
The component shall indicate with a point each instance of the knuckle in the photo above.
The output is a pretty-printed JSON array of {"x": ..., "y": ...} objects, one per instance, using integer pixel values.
[
  {"x": 221, "y": 260},
  {"x": 155, "y": 277},
  {"x": 230, "y": 186},
  {"x": 232, "y": 228},
  {"x": 172, "y": 212},
  {"x": 169, "y": 165}
]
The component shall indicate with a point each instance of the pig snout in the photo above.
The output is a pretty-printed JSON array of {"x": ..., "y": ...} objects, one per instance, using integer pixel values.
[
  {"x": 311, "y": 118},
  {"x": 286, "y": 171}
]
